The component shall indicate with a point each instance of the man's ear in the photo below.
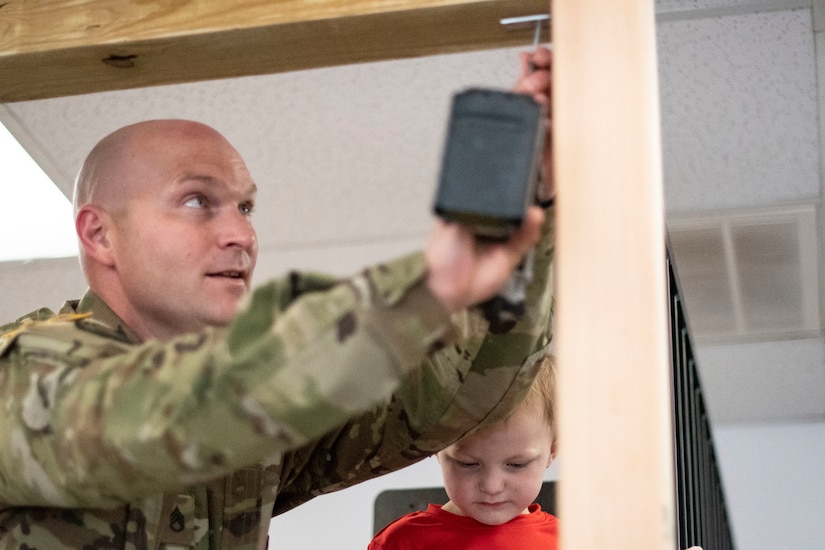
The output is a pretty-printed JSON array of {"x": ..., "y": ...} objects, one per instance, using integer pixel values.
[{"x": 92, "y": 225}]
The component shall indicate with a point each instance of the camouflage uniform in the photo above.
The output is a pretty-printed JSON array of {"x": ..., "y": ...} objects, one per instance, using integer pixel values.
[{"x": 106, "y": 442}]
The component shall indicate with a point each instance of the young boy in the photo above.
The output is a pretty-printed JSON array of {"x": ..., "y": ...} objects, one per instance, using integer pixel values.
[{"x": 492, "y": 477}]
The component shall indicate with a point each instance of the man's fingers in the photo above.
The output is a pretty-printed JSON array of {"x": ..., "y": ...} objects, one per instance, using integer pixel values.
[
  {"x": 542, "y": 58},
  {"x": 529, "y": 234}
]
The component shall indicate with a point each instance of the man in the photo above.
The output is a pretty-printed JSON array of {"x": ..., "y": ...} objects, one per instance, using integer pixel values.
[{"x": 171, "y": 408}]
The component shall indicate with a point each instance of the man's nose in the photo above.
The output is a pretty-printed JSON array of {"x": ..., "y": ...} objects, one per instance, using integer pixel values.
[{"x": 235, "y": 229}]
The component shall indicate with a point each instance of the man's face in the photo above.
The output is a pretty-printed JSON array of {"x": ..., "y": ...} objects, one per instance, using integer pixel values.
[
  {"x": 183, "y": 240},
  {"x": 493, "y": 475}
]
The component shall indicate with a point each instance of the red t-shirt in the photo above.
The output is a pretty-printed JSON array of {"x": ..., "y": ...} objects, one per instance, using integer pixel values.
[{"x": 435, "y": 528}]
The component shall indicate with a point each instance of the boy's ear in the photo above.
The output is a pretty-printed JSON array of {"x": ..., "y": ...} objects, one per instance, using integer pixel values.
[
  {"x": 554, "y": 449},
  {"x": 92, "y": 225}
]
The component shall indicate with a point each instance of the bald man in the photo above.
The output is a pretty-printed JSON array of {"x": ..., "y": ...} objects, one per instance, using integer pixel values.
[{"x": 173, "y": 407}]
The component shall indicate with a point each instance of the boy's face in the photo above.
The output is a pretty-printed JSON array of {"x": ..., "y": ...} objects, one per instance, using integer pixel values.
[{"x": 493, "y": 475}]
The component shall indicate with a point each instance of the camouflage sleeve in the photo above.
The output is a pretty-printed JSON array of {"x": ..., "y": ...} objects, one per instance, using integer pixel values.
[
  {"x": 92, "y": 421},
  {"x": 476, "y": 380}
]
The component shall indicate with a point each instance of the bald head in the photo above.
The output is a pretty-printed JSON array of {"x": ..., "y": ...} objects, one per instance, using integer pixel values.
[
  {"x": 108, "y": 174},
  {"x": 162, "y": 211}
]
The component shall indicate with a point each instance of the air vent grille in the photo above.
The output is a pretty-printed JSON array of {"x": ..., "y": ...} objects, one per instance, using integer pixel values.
[{"x": 748, "y": 275}]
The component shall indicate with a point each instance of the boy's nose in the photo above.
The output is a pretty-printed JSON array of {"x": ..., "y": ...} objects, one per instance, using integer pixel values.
[{"x": 492, "y": 483}]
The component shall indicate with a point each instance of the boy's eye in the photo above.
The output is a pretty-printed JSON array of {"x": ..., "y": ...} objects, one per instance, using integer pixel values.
[
  {"x": 516, "y": 465},
  {"x": 467, "y": 464}
]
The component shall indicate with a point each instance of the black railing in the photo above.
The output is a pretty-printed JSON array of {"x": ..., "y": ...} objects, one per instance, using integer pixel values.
[{"x": 701, "y": 513}]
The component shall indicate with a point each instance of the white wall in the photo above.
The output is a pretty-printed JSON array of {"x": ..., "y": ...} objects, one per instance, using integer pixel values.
[
  {"x": 774, "y": 479},
  {"x": 39, "y": 283}
]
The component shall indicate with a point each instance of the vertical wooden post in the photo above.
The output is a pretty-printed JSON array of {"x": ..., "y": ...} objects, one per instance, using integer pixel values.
[{"x": 616, "y": 488}]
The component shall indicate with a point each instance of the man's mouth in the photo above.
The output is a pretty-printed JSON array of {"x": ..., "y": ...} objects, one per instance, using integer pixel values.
[{"x": 229, "y": 274}]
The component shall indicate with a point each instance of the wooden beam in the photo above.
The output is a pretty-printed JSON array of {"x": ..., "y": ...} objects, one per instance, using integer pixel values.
[
  {"x": 617, "y": 464},
  {"x": 52, "y": 48}
]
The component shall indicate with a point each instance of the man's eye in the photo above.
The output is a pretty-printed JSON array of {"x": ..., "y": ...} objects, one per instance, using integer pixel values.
[
  {"x": 198, "y": 201},
  {"x": 246, "y": 208}
]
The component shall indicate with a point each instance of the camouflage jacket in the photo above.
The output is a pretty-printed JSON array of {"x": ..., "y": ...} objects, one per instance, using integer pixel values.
[{"x": 111, "y": 443}]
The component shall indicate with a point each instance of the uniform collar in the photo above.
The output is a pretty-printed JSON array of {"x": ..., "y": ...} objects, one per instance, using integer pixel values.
[{"x": 102, "y": 317}]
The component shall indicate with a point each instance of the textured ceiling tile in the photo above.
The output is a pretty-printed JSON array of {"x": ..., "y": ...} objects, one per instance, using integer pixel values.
[
  {"x": 766, "y": 381},
  {"x": 739, "y": 110},
  {"x": 693, "y": 5},
  {"x": 339, "y": 154}
]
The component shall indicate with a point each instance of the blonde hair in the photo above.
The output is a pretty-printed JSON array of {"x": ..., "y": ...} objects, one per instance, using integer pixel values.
[
  {"x": 540, "y": 398},
  {"x": 542, "y": 392}
]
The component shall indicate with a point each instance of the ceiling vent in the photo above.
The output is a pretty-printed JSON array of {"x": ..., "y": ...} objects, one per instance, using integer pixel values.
[{"x": 748, "y": 275}]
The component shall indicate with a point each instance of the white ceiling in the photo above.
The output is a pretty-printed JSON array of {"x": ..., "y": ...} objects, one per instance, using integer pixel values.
[{"x": 346, "y": 159}]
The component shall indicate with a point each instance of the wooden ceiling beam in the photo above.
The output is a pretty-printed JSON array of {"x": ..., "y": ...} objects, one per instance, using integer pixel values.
[{"x": 51, "y": 48}]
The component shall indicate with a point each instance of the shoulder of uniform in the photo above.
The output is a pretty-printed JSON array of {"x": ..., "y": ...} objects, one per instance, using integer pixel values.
[
  {"x": 43, "y": 326},
  {"x": 40, "y": 317},
  {"x": 41, "y": 314}
]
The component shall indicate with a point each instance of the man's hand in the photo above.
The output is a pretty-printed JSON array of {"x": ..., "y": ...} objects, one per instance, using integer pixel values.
[
  {"x": 536, "y": 81},
  {"x": 463, "y": 272}
]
